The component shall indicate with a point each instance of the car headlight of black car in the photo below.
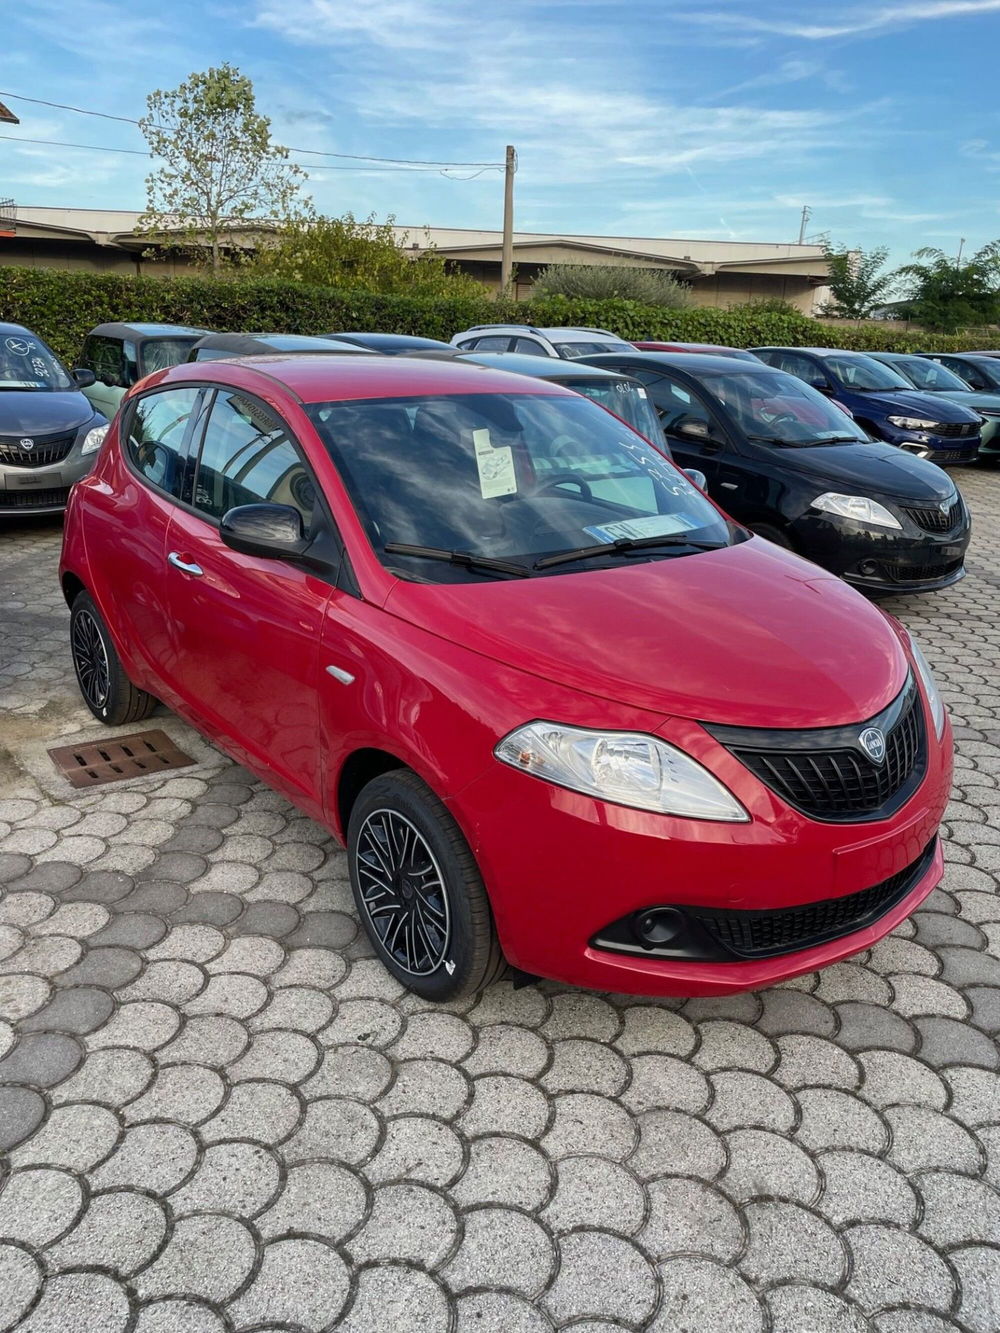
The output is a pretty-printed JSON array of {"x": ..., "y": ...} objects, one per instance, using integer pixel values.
[{"x": 858, "y": 507}]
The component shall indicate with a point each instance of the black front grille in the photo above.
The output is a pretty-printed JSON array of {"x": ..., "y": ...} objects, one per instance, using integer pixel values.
[
  {"x": 920, "y": 573},
  {"x": 827, "y": 773},
  {"x": 954, "y": 455},
  {"x": 54, "y": 497},
  {"x": 762, "y": 934},
  {"x": 957, "y": 430},
  {"x": 935, "y": 520},
  {"x": 42, "y": 453}
]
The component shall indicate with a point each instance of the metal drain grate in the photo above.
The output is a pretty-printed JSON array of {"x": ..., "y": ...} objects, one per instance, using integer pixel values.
[{"x": 113, "y": 761}]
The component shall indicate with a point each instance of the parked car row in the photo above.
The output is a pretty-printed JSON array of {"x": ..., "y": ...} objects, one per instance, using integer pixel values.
[{"x": 826, "y": 453}]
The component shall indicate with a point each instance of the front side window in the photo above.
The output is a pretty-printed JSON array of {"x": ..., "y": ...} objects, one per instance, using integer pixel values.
[
  {"x": 26, "y": 363},
  {"x": 511, "y": 477},
  {"x": 104, "y": 357},
  {"x": 626, "y": 399},
  {"x": 529, "y": 346},
  {"x": 157, "y": 426},
  {"x": 676, "y": 405},
  {"x": 247, "y": 458},
  {"x": 779, "y": 409},
  {"x": 865, "y": 374}
]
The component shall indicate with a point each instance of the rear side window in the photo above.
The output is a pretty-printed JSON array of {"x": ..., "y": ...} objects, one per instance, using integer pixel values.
[
  {"x": 494, "y": 343},
  {"x": 529, "y": 347},
  {"x": 157, "y": 429},
  {"x": 248, "y": 458}
]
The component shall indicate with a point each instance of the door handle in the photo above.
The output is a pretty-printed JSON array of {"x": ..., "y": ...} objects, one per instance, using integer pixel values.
[{"x": 174, "y": 559}]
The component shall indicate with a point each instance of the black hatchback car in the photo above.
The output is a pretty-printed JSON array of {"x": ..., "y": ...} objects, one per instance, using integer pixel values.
[
  {"x": 224, "y": 346},
  {"x": 795, "y": 468}
]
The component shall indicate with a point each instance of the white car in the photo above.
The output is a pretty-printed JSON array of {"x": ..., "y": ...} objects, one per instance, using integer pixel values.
[{"x": 525, "y": 338}]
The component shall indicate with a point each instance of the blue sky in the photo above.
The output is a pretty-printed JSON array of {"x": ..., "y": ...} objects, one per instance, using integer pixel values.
[{"x": 669, "y": 118}]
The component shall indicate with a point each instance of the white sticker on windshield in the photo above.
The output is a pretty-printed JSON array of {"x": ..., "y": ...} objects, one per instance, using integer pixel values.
[
  {"x": 18, "y": 346},
  {"x": 496, "y": 466},
  {"x": 655, "y": 525}
]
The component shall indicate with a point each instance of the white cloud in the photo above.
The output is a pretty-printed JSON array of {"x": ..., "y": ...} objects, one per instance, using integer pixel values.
[{"x": 850, "y": 22}]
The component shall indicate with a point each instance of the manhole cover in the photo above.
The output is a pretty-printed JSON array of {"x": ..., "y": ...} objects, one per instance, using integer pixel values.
[{"x": 113, "y": 761}]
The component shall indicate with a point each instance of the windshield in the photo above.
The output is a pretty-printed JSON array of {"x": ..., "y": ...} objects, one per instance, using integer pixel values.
[
  {"x": 864, "y": 373},
  {"x": 575, "y": 349},
  {"x": 26, "y": 363},
  {"x": 775, "y": 406},
  {"x": 513, "y": 477},
  {"x": 626, "y": 399},
  {"x": 161, "y": 353},
  {"x": 929, "y": 375}
]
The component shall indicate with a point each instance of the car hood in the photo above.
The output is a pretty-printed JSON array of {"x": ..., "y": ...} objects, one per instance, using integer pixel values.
[
  {"x": 32, "y": 412},
  {"x": 978, "y": 400},
  {"x": 871, "y": 469},
  {"x": 749, "y": 635},
  {"x": 907, "y": 403}
]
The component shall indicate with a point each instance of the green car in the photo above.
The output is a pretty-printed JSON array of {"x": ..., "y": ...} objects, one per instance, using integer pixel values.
[
  {"x": 931, "y": 377},
  {"x": 119, "y": 355}
]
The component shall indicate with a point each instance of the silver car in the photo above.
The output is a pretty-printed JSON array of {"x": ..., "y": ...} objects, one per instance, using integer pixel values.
[
  {"x": 565, "y": 343},
  {"x": 49, "y": 432}
]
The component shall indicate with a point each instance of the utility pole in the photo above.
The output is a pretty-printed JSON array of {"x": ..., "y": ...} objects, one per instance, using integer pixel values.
[
  {"x": 507, "y": 252},
  {"x": 961, "y": 247},
  {"x": 806, "y": 215}
]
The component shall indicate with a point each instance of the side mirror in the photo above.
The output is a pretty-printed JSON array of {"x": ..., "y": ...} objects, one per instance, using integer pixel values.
[
  {"x": 699, "y": 478},
  {"x": 83, "y": 379},
  {"x": 268, "y": 530},
  {"x": 696, "y": 430}
]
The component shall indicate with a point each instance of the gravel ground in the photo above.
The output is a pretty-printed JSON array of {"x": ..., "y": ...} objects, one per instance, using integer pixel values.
[{"x": 218, "y": 1112}]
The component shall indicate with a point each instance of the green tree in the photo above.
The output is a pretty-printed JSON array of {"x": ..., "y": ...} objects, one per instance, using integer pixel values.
[
  {"x": 945, "y": 294},
  {"x": 220, "y": 171},
  {"x": 605, "y": 282},
  {"x": 366, "y": 256},
  {"x": 857, "y": 282}
]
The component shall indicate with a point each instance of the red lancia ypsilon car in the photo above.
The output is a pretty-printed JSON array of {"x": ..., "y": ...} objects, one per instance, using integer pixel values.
[{"x": 562, "y": 711}]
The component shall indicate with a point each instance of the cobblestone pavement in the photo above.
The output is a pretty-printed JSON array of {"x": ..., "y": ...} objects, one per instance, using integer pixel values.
[{"x": 218, "y": 1112}]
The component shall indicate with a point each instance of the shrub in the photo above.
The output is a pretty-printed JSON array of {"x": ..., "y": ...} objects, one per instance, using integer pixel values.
[
  {"x": 63, "y": 306},
  {"x": 610, "y": 282}
]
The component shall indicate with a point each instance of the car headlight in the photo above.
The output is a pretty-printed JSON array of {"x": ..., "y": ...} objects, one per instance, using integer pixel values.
[
  {"x": 93, "y": 439},
  {"x": 626, "y": 768},
  {"x": 912, "y": 423},
  {"x": 930, "y": 686},
  {"x": 858, "y": 507}
]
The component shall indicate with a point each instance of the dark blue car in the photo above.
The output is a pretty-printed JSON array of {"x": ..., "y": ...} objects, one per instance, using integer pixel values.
[{"x": 884, "y": 403}]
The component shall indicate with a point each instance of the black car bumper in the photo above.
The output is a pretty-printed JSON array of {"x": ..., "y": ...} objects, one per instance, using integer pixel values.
[{"x": 884, "y": 560}]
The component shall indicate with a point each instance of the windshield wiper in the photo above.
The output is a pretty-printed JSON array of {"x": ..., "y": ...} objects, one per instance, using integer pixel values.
[
  {"x": 466, "y": 558},
  {"x": 624, "y": 545},
  {"x": 777, "y": 440}
]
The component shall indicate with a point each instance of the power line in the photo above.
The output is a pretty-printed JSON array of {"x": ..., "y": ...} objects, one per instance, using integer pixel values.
[
  {"x": 312, "y": 152},
  {"x": 306, "y": 166}
]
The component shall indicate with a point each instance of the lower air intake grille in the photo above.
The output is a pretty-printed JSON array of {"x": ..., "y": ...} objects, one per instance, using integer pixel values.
[
  {"x": 53, "y": 497},
  {"x": 762, "y": 934}
]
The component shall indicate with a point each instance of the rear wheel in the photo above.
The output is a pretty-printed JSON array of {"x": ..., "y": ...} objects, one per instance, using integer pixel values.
[
  {"x": 771, "y": 534},
  {"x": 418, "y": 890},
  {"x": 106, "y": 690}
]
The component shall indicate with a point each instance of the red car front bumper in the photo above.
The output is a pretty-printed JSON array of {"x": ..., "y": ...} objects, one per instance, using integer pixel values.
[{"x": 560, "y": 867}]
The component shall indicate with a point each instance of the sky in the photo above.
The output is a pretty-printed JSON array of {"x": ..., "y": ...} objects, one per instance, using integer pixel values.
[{"x": 676, "y": 118}]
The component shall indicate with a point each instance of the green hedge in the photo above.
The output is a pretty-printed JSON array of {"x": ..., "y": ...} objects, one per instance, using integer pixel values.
[{"x": 63, "y": 306}]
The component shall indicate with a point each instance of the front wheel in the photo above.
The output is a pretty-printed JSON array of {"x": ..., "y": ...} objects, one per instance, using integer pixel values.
[
  {"x": 106, "y": 690},
  {"x": 418, "y": 890}
]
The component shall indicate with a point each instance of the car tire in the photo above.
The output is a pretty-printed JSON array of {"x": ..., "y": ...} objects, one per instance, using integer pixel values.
[
  {"x": 407, "y": 856},
  {"x": 771, "y": 534},
  {"x": 106, "y": 690}
]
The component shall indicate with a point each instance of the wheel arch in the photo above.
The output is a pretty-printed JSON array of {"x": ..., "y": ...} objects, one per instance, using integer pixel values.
[
  {"x": 72, "y": 586},
  {"x": 358, "y": 769}
]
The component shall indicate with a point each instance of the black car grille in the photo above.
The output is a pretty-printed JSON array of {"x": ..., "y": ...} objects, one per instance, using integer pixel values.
[
  {"x": 827, "y": 774},
  {"x": 54, "y": 497},
  {"x": 762, "y": 934},
  {"x": 957, "y": 430},
  {"x": 41, "y": 454},
  {"x": 903, "y": 573},
  {"x": 954, "y": 455},
  {"x": 934, "y": 520}
]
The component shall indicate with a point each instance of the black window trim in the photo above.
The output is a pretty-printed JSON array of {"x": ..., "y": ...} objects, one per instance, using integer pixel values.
[{"x": 184, "y": 453}]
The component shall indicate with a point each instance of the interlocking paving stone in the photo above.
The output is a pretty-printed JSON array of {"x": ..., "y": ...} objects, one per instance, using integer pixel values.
[{"x": 219, "y": 1112}]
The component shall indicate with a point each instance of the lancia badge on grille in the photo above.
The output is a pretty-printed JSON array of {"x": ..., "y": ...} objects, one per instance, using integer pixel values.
[
  {"x": 872, "y": 741},
  {"x": 26, "y": 444}
]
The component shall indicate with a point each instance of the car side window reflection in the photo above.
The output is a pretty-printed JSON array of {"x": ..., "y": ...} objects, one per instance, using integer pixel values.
[
  {"x": 157, "y": 425},
  {"x": 675, "y": 404},
  {"x": 248, "y": 458}
]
